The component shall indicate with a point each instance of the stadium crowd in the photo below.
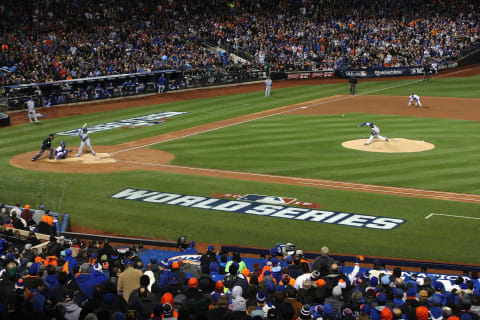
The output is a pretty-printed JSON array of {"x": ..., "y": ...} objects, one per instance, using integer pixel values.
[
  {"x": 49, "y": 40},
  {"x": 68, "y": 279}
]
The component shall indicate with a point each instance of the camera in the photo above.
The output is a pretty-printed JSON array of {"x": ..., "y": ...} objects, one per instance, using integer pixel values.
[{"x": 285, "y": 250}]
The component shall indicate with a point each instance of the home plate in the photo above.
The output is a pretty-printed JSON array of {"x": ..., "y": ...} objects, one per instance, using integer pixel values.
[
  {"x": 87, "y": 158},
  {"x": 98, "y": 158}
]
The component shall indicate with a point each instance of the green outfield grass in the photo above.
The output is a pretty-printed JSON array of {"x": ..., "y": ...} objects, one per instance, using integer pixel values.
[{"x": 293, "y": 145}]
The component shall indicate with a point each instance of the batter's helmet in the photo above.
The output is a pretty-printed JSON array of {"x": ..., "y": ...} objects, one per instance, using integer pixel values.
[{"x": 85, "y": 130}]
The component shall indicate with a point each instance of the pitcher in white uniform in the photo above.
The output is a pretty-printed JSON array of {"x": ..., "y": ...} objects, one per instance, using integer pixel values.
[{"x": 374, "y": 132}]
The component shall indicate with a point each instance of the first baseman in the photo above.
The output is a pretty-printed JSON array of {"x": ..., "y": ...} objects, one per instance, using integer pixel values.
[
  {"x": 31, "y": 111},
  {"x": 268, "y": 87},
  {"x": 374, "y": 132},
  {"x": 415, "y": 99},
  {"x": 83, "y": 134}
]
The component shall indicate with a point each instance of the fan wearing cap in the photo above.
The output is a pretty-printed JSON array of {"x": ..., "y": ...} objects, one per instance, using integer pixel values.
[
  {"x": 305, "y": 313},
  {"x": 192, "y": 291},
  {"x": 411, "y": 302},
  {"x": 438, "y": 287},
  {"x": 207, "y": 258},
  {"x": 97, "y": 273},
  {"x": 128, "y": 280},
  {"x": 380, "y": 311},
  {"x": 168, "y": 304},
  {"x": 309, "y": 276},
  {"x": 72, "y": 262},
  {"x": 287, "y": 280},
  {"x": 323, "y": 262},
  {"x": 191, "y": 248},
  {"x": 32, "y": 279},
  {"x": 218, "y": 291},
  {"x": 295, "y": 268},
  {"x": 27, "y": 215},
  {"x": 303, "y": 261}
]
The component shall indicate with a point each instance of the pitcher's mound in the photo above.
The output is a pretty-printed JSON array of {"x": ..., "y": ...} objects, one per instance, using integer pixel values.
[{"x": 394, "y": 145}]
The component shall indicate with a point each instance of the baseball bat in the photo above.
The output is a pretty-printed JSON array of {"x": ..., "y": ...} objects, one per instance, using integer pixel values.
[{"x": 84, "y": 125}]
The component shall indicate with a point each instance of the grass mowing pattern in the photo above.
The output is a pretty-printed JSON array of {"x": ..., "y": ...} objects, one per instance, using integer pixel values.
[
  {"x": 289, "y": 145},
  {"x": 310, "y": 147}
]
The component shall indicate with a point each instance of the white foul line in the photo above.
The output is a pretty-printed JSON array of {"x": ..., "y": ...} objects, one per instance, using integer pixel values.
[
  {"x": 339, "y": 186},
  {"x": 449, "y": 215},
  {"x": 374, "y": 188},
  {"x": 262, "y": 117}
]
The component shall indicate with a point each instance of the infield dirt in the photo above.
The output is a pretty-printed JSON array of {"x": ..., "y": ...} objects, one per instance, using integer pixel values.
[{"x": 125, "y": 156}]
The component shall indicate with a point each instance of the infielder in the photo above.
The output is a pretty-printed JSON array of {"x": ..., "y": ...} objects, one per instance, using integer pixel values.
[
  {"x": 61, "y": 152},
  {"x": 31, "y": 110},
  {"x": 268, "y": 86},
  {"x": 374, "y": 132},
  {"x": 46, "y": 145},
  {"x": 435, "y": 67},
  {"x": 415, "y": 99},
  {"x": 85, "y": 140}
]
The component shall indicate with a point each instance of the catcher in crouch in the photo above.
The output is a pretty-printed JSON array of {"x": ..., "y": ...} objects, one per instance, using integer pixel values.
[
  {"x": 374, "y": 132},
  {"x": 61, "y": 152}
]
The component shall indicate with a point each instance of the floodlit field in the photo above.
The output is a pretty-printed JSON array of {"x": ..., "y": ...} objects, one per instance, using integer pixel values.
[{"x": 285, "y": 144}]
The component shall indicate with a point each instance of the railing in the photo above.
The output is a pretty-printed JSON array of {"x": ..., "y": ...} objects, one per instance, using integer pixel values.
[
  {"x": 421, "y": 265},
  {"x": 86, "y": 89},
  {"x": 105, "y": 87}
]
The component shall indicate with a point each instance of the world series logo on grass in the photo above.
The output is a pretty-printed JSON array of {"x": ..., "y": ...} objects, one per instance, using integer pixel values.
[
  {"x": 142, "y": 121},
  {"x": 267, "y": 210}
]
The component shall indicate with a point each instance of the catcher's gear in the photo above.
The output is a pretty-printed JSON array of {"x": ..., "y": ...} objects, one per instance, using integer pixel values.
[{"x": 62, "y": 144}]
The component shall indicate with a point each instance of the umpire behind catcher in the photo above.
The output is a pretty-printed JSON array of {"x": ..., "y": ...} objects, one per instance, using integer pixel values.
[
  {"x": 46, "y": 145},
  {"x": 353, "y": 83}
]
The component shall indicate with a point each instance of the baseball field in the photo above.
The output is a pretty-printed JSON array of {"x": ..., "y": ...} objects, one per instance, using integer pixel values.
[{"x": 392, "y": 200}]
